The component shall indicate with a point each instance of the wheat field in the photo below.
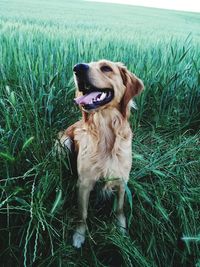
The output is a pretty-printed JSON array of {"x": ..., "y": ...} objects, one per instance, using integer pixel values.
[{"x": 40, "y": 41}]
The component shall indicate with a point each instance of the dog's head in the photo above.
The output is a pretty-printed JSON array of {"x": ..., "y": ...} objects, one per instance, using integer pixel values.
[{"x": 105, "y": 84}]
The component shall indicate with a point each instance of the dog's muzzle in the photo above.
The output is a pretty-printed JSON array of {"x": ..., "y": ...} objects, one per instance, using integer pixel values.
[{"x": 92, "y": 97}]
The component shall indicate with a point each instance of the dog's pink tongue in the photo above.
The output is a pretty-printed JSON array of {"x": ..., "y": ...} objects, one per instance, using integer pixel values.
[{"x": 85, "y": 99}]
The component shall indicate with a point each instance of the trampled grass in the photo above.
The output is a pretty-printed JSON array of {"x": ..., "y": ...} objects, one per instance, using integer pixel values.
[{"x": 40, "y": 41}]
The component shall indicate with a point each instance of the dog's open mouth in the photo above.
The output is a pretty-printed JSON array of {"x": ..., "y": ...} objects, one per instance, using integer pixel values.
[{"x": 95, "y": 98}]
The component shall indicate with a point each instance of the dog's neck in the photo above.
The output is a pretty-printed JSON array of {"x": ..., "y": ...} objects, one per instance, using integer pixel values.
[
  {"x": 123, "y": 115},
  {"x": 107, "y": 123},
  {"x": 108, "y": 116}
]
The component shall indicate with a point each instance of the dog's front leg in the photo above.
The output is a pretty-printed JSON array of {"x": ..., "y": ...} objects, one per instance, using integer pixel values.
[
  {"x": 120, "y": 205},
  {"x": 84, "y": 189}
]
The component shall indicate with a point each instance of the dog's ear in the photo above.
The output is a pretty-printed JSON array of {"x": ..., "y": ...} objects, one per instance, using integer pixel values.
[{"x": 133, "y": 87}]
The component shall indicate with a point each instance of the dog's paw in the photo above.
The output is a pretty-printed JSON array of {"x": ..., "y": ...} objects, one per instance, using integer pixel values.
[
  {"x": 68, "y": 143},
  {"x": 63, "y": 145},
  {"x": 58, "y": 150},
  {"x": 121, "y": 222},
  {"x": 78, "y": 239}
]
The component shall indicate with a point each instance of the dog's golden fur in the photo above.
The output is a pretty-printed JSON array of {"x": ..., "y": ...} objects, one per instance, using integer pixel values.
[{"x": 102, "y": 139}]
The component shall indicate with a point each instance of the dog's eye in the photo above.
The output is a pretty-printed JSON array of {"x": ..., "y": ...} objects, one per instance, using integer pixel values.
[{"x": 106, "y": 68}]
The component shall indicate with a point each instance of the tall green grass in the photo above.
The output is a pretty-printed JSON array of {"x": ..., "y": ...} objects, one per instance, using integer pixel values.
[{"x": 38, "y": 190}]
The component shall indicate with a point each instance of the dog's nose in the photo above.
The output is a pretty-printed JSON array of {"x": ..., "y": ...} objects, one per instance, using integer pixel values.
[{"x": 80, "y": 69}]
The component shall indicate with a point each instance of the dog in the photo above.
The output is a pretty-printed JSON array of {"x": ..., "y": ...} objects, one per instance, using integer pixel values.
[{"x": 102, "y": 139}]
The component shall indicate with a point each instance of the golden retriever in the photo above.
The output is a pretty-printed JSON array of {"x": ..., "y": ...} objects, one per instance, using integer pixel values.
[{"x": 103, "y": 137}]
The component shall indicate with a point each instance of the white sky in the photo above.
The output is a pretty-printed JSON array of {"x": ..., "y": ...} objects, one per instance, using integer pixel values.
[{"x": 186, "y": 5}]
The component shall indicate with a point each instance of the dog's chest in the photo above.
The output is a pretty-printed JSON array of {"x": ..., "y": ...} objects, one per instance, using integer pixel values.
[{"x": 104, "y": 153}]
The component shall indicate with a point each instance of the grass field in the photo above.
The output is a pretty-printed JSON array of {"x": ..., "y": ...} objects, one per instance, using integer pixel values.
[{"x": 40, "y": 41}]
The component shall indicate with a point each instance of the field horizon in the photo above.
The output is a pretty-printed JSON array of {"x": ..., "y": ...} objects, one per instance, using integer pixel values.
[{"x": 40, "y": 42}]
